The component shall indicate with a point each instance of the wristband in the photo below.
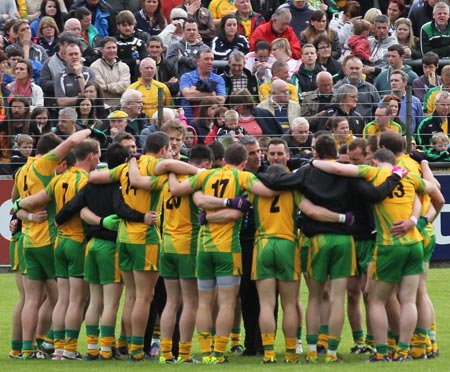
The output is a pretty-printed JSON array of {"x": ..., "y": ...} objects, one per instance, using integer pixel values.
[
  {"x": 30, "y": 216},
  {"x": 225, "y": 203},
  {"x": 80, "y": 77},
  {"x": 341, "y": 218},
  {"x": 413, "y": 219}
]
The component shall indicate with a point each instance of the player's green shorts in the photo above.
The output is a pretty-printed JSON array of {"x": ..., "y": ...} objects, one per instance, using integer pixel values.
[
  {"x": 69, "y": 258},
  {"x": 102, "y": 262},
  {"x": 429, "y": 243},
  {"x": 177, "y": 266},
  {"x": 332, "y": 256},
  {"x": 392, "y": 262},
  {"x": 210, "y": 265},
  {"x": 303, "y": 245},
  {"x": 16, "y": 258},
  {"x": 138, "y": 257},
  {"x": 276, "y": 258},
  {"x": 364, "y": 252},
  {"x": 40, "y": 262}
]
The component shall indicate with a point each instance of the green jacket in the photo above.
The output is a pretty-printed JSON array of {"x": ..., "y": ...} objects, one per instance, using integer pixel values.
[{"x": 433, "y": 40}]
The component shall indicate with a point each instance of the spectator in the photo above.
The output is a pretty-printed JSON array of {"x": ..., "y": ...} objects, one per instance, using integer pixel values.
[
  {"x": 131, "y": 43},
  {"x": 299, "y": 138},
  {"x": 280, "y": 105},
  {"x": 430, "y": 78},
  {"x": 221, "y": 8},
  {"x": 118, "y": 123},
  {"x": 429, "y": 101},
  {"x": 41, "y": 118},
  {"x": 383, "y": 122},
  {"x": 72, "y": 79},
  {"x": 154, "y": 124},
  {"x": 395, "y": 56},
  {"x": 358, "y": 42},
  {"x": 200, "y": 83},
  {"x": 395, "y": 104},
  {"x": 368, "y": 96},
  {"x": 319, "y": 99},
  {"x": 183, "y": 53},
  {"x": 8, "y": 10},
  {"x": 435, "y": 35},
  {"x": 47, "y": 36},
  {"x": 86, "y": 114},
  {"x": 93, "y": 91},
  {"x": 89, "y": 33},
  {"x": 20, "y": 155},
  {"x": 150, "y": 18},
  {"x": 89, "y": 54},
  {"x": 342, "y": 22},
  {"x": 249, "y": 19},
  {"x": 421, "y": 15},
  {"x": 278, "y": 27},
  {"x": 236, "y": 76},
  {"x": 305, "y": 78},
  {"x": 266, "y": 8},
  {"x": 149, "y": 87},
  {"x": 279, "y": 70},
  {"x": 324, "y": 58},
  {"x": 67, "y": 122},
  {"x": 396, "y": 9},
  {"x": 102, "y": 15},
  {"x": 281, "y": 50},
  {"x": 436, "y": 123},
  {"x": 23, "y": 86},
  {"x": 301, "y": 11},
  {"x": 6, "y": 78},
  {"x": 341, "y": 131},
  {"x": 319, "y": 26},
  {"x": 228, "y": 38},
  {"x": 405, "y": 37},
  {"x": 112, "y": 74},
  {"x": 203, "y": 18},
  {"x": 52, "y": 9},
  {"x": 260, "y": 61},
  {"x": 131, "y": 103},
  {"x": 439, "y": 148},
  {"x": 204, "y": 121},
  {"x": 230, "y": 129},
  {"x": 173, "y": 32}
]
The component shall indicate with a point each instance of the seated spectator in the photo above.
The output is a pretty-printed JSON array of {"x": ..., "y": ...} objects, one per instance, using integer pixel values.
[
  {"x": 319, "y": 99},
  {"x": 305, "y": 78},
  {"x": 383, "y": 122},
  {"x": 230, "y": 128},
  {"x": 318, "y": 25},
  {"x": 435, "y": 35},
  {"x": 131, "y": 43},
  {"x": 93, "y": 91},
  {"x": 396, "y": 9},
  {"x": 341, "y": 131},
  {"x": 118, "y": 123},
  {"x": 430, "y": 79},
  {"x": 86, "y": 114},
  {"x": 279, "y": 70},
  {"x": 150, "y": 18},
  {"x": 155, "y": 124},
  {"x": 359, "y": 43},
  {"x": 173, "y": 32},
  {"x": 113, "y": 75},
  {"x": 429, "y": 101},
  {"x": 277, "y": 27},
  {"x": 236, "y": 76},
  {"x": 256, "y": 121},
  {"x": 67, "y": 122},
  {"x": 228, "y": 38},
  {"x": 103, "y": 18},
  {"x": 41, "y": 118},
  {"x": 301, "y": 11},
  {"x": 51, "y": 9},
  {"x": 131, "y": 103},
  {"x": 421, "y": 15},
  {"x": 280, "y": 105},
  {"x": 395, "y": 104},
  {"x": 203, "y": 17},
  {"x": 73, "y": 25},
  {"x": 89, "y": 33},
  {"x": 324, "y": 58},
  {"x": 204, "y": 121},
  {"x": 299, "y": 138},
  {"x": 20, "y": 155},
  {"x": 281, "y": 50},
  {"x": 47, "y": 36},
  {"x": 260, "y": 61},
  {"x": 405, "y": 37},
  {"x": 183, "y": 53},
  {"x": 438, "y": 151},
  {"x": 23, "y": 86}
]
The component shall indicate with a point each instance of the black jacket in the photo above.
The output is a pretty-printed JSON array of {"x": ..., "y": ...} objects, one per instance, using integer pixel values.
[
  {"x": 252, "y": 83},
  {"x": 268, "y": 123},
  {"x": 355, "y": 120}
]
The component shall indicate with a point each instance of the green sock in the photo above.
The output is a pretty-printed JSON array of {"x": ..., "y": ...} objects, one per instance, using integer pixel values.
[
  {"x": 16, "y": 345},
  {"x": 299, "y": 333},
  {"x": 358, "y": 337},
  {"x": 107, "y": 331}
]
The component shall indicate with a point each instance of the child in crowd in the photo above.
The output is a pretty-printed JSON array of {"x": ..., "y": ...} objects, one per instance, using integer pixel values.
[
  {"x": 439, "y": 148},
  {"x": 430, "y": 77},
  {"x": 358, "y": 43},
  {"x": 20, "y": 155},
  {"x": 231, "y": 127}
]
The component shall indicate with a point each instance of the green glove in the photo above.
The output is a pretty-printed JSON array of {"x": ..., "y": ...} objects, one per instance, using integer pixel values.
[
  {"x": 99, "y": 136},
  {"x": 16, "y": 206},
  {"x": 111, "y": 222},
  {"x": 422, "y": 223}
]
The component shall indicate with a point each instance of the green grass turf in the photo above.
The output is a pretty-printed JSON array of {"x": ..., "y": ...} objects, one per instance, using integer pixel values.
[{"x": 438, "y": 289}]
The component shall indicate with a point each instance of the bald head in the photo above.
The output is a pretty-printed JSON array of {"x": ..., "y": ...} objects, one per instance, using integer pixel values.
[
  {"x": 325, "y": 82},
  {"x": 280, "y": 91}
]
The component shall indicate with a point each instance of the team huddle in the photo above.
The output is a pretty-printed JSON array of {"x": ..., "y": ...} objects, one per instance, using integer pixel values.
[{"x": 211, "y": 227}]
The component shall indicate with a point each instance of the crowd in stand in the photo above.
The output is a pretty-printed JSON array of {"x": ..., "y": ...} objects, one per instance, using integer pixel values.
[{"x": 237, "y": 86}]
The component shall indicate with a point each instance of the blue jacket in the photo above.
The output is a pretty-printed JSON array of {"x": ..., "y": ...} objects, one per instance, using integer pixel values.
[{"x": 104, "y": 20}]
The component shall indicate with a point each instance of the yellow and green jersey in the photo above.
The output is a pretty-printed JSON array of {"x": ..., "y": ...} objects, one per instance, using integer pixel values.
[
  {"x": 140, "y": 200},
  {"x": 276, "y": 217},
  {"x": 396, "y": 207},
  {"x": 38, "y": 176},
  {"x": 150, "y": 95},
  {"x": 220, "y": 8},
  {"x": 181, "y": 227},
  {"x": 223, "y": 182},
  {"x": 62, "y": 189}
]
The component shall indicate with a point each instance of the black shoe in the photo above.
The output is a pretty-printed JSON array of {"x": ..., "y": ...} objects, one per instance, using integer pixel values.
[
  {"x": 374, "y": 359},
  {"x": 321, "y": 349},
  {"x": 248, "y": 352}
]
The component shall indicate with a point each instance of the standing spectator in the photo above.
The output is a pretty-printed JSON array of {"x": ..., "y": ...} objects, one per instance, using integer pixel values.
[
  {"x": 430, "y": 78},
  {"x": 200, "y": 83},
  {"x": 236, "y": 76},
  {"x": 183, "y": 53},
  {"x": 405, "y": 37},
  {"x": 89, "y": 33},
  {"x": 278, "y": 27},
  {"x": 150, "y": 18},
  {"x": 72, "y": 79},
  {"x": 203, "y": 17},
  {"x": 435, "y": 35},
  {"x": 131, "y": 43},
  {"x": 281, "y": 50},
  {"x": 301, "y": 12},
  {"x": 102, "y": 15},
  {"x": 20, "y": 155},
  {"x": 112, "y": 74},
  {"x": 228, "y": 38},
  {"x": 149, "y": 87},
  {"x": 249, "y": 20},
  {"x": 47, "y": 36},
  {"x": 23, "y": 86},
  {"x": 319, "y": 26}
]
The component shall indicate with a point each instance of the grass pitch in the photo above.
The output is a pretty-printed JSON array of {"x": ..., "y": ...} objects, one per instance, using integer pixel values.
[{"x": 437, "y": 287}]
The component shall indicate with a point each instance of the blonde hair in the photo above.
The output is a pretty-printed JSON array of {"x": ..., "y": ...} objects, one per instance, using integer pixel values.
[
  {"x": 231, "y": 115},
  {"x": 282, "y": 43},
  {"x": 411, "y": 40},
  {"x": 24, "y": 139},
  {"x": 439, "y": 137}
]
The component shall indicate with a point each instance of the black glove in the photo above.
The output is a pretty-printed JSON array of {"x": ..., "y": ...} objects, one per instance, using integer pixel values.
[{"x": 417, "y": 156}]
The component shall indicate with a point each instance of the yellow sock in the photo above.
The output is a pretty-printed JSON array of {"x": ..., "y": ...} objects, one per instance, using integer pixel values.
[
  {"x": 268, "y": 341},
  {"x": 220, "y": 344},
  {"x": 185, "y": 350},
  {"x": 290, "y": 344},
  {"x": 204, "y": 339},
  {"x": 166, "y": 348}
]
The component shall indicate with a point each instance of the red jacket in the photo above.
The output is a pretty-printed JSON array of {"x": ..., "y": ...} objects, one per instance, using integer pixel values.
[{"x": 266, "y": 33}]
